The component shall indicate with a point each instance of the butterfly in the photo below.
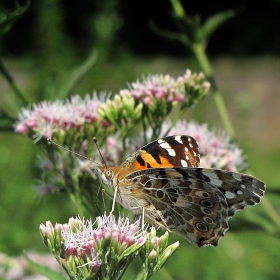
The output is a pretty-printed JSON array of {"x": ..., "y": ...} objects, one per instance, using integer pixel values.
[{"x": 164, "y": 179}]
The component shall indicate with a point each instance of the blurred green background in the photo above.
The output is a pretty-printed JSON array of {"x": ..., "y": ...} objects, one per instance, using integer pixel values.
[{"x": 54, "y": 37}]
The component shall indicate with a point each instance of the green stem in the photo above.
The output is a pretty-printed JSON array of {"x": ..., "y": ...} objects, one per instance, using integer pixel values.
[
  {"x": 144, "y": 129},
  {"x": 174, "y": 121},
  {"x": 124, "y": 146},
  {"x": 62, "y": 265},
  {"x": 271, "y": 212},
  {"x": 12, "y": 83},
  {"x": 200, "y": 54},
  {"x": 77, "y": 198},
  {"x": 223, "y": 113}
]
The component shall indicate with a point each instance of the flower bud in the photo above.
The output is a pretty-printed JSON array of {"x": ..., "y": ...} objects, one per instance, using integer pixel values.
[
  {"x": 166, "y": 254},
  {"x": 153, "y": 254}
]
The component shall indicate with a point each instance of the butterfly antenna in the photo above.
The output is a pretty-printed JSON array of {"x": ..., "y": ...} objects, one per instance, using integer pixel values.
[
  {"x": 96, "y": 144},
  {"x": 68, "y": 150}
]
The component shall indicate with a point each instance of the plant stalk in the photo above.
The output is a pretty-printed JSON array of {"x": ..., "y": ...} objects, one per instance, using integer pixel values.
[
  {"x": 200, "y": 54},
  {"x": 12, "y": 83}
]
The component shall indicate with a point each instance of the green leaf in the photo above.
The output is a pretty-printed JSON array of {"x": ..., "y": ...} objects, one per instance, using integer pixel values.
[
  {"x": 7, "y": 20},
  {"x": 178, "y": 8},
  {"x": 46, "y": 271},
  {"x": 169, "y": 34},
  {"x": 215, "y": 21}
]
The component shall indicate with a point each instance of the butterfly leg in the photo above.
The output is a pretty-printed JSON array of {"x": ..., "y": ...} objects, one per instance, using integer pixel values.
[
  {"x": 143, "y": 215},
  {"x": 95, "y": 202},
  {"x": 105, "y": 193},
  {"x": 114, "y": 200}
]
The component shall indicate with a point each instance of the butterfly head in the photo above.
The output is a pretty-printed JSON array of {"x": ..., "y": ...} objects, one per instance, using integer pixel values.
[{"x": 106, "y": 174}]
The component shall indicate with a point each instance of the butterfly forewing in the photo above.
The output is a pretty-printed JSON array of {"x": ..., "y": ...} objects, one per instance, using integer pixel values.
[{"x": 171, "y": 151}]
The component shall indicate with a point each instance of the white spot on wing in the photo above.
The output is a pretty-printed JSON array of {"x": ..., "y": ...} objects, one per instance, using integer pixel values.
[
  {"x": 171, "y": 152},
  {"x": 184, "y": 163},
  {"x": 167, "y": 147},
  {"x": 186, "y": 150},
  {"x": 164, "y": 145},
  {"x": 229, "y": 195},
  {"x": 178, "y": 139},
  {"x": 239, "y": 192}
]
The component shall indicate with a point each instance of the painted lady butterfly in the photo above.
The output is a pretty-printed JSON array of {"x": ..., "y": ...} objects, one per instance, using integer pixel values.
[{"x": 164, "y": 178}]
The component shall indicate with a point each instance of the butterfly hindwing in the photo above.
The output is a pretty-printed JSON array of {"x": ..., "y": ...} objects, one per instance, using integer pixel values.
[
  {"x": 240, "y": 190},
  {"x": 195, "y": 202}
]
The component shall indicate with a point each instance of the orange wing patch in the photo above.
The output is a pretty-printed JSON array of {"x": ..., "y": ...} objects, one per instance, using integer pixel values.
[{"x": 146, "y": 160}]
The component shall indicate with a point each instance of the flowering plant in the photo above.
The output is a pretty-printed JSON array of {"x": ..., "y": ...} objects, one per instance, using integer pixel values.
[
  {"x": 106, "y": 251},
  {"x": 115, "y": 120},
  {"x": 122, "y": 123}
]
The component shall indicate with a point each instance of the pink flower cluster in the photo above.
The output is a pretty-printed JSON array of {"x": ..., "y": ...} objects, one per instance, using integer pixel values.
[
  {"x": 157, "y": 87},
  {"x": 85, "y": 239},
  {"x": 79, "y": 240},
  {"x": 45, "y": 118}
]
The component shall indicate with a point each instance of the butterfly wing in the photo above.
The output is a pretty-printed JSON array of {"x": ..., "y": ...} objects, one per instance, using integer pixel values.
[
  {"x": 170, "y": 151},
  {"x": 167, "y": 152},
  {"x": 193, "y": 202}
]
